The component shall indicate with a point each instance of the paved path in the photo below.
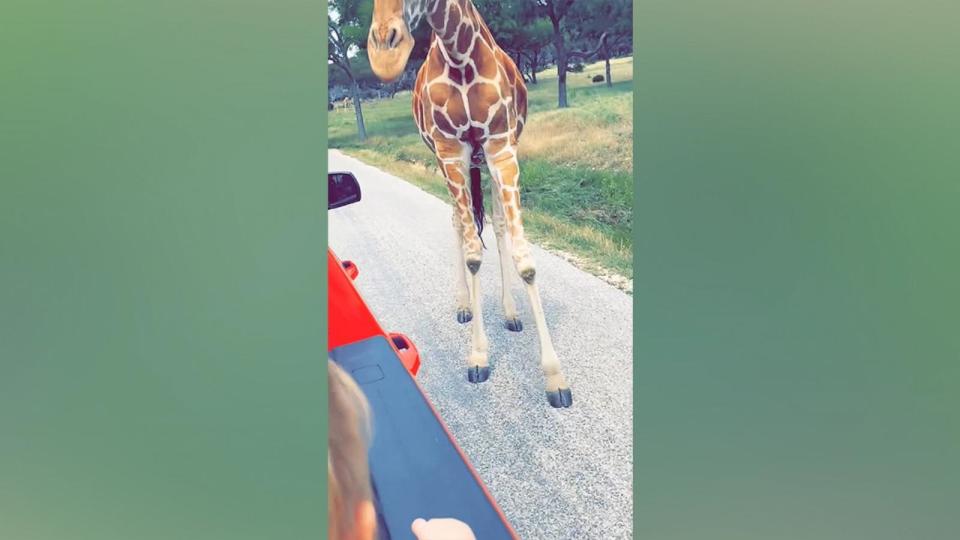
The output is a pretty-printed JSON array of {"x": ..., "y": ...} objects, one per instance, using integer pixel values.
[{"x": 557, "y": 473}]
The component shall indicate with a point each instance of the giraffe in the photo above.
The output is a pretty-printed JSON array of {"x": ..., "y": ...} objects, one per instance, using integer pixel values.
[{"x": 470, "y": 105}]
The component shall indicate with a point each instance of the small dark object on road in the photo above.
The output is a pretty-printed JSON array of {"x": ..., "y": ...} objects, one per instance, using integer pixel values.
[{"x": 597, "y": 78}]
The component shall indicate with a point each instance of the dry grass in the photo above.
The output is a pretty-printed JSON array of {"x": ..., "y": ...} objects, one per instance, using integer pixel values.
[{"x": 597, "y": 135}]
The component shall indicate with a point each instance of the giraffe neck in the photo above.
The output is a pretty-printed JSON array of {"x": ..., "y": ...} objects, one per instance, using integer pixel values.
[
  {"x": 414, "y": 11},
  {"x": 455, "y": 23}
]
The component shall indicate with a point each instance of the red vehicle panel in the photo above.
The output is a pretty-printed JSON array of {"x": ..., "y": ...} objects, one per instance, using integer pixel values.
[
  {"x": 350, "y": 320},
  {"x": 418, "y": 440}
]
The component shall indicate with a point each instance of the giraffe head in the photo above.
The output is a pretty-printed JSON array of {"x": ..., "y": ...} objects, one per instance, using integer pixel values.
[{"x": 389, "y": 42}]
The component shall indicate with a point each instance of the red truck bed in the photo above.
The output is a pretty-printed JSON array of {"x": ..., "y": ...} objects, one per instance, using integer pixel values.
[{"x": 416, "y": 467}]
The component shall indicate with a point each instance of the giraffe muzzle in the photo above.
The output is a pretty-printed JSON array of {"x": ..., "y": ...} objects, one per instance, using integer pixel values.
[
  {"x": 388, "y": 46},
  {"x": 386, "y": 37}
]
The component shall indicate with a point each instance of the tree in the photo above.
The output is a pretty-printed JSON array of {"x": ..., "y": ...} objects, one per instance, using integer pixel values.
[
  {"x": 556, "y": 11},
  {"x": 530, "y": 45},
  {"x": 592, "y": 18},
  {"x": 345, "y": 35},
  {"x": 521, "y": 30},
  {"x": 540, "y": 40}
]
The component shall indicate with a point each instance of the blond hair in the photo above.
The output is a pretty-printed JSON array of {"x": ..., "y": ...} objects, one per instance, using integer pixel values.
[{"x": 348, "y": 474}]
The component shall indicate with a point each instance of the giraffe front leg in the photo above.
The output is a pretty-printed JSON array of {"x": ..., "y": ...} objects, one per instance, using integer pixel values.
[
  {"x": 478, "y": 366},
  {"x": 508, "y": 174}
]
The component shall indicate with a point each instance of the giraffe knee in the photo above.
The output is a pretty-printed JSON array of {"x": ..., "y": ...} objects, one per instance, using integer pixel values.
[
  {"x": 473, "y": 265},
  {"x": 526, "y": 268}
]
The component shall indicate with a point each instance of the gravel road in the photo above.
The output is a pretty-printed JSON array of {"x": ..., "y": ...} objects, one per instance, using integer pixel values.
[{"x": 556, "y": 473}]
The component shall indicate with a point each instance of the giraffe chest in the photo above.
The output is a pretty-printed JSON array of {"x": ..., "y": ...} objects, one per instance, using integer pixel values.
[{"x": 479, "y": 98}]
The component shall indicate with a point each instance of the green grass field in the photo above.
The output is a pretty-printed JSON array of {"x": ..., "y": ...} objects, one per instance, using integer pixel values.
[{"x": 575, "y": 164}]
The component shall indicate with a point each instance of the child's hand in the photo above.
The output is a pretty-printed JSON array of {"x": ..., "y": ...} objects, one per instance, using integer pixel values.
[{"x": 442, "y": 529}]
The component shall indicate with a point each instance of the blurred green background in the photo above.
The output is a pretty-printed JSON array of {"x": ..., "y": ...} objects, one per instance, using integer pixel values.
[
  {"x": 798, "y": 370},
  {"x": 162, "y": 270}
]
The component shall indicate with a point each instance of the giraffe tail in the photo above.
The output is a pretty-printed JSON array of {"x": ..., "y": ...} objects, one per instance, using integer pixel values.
[{"x": 476, "y": 198}]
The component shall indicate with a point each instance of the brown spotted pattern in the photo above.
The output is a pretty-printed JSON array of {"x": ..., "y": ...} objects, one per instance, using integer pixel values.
[{"x": 470, "y": 100}]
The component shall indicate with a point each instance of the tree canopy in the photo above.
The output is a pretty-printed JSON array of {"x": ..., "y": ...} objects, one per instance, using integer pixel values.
[
  {"x": 520, "y": 28},
  {"x": 535, "y": 33}
]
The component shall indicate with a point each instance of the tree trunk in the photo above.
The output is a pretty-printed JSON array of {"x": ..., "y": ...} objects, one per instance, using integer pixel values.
[
  {"x": 606, "y": 59},
  {"x": 534, "y": 65},
  {"x": 518, "y": 60},
  {"x": 355, "y": 93},
  {"x": 361, "y": 130},
  {"x": 561, "y": 65},
  {"x": 562, "y": 80}
]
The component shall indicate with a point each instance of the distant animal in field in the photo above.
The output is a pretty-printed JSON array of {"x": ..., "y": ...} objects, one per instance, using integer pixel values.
[{"x": 343, "y": 104}]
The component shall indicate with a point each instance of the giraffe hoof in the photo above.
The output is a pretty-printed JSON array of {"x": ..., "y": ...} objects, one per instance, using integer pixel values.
[
  {"x": 464, "y": 315},
  {"x": 478, "y": 374},
  {"x": 560, "y": 398},
  {"x": 514, "y": 325}
]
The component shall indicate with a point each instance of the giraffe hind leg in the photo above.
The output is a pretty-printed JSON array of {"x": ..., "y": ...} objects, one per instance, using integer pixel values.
[
  {"x": 511, "y": 317},
  {"x": 464, "y": 309}
]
